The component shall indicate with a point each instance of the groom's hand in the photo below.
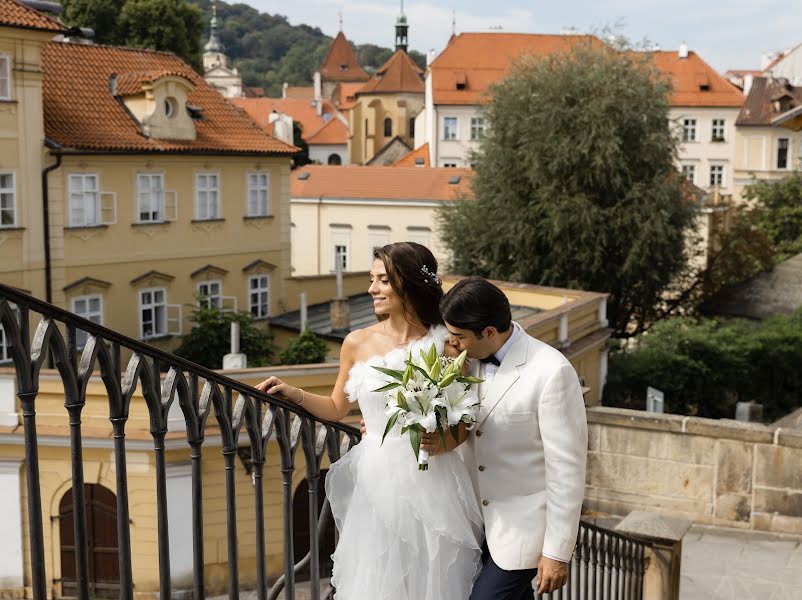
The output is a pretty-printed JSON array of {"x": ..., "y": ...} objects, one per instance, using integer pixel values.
[{"x": 551, "y": 574}]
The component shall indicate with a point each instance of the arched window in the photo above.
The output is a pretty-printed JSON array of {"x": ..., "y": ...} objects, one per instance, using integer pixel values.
[
  {"x": 388, "y": 127},
  {"x": 334, "y": 159}
]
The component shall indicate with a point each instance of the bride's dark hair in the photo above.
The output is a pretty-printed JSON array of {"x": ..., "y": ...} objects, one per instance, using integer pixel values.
[{"x": 412, "y": 271}]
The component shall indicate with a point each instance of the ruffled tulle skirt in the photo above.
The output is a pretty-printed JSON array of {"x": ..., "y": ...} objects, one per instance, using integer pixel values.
[{"x": 405, "y": 534}]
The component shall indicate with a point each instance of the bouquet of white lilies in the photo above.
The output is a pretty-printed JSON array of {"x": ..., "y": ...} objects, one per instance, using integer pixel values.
[{"x": 430, "y": 394}]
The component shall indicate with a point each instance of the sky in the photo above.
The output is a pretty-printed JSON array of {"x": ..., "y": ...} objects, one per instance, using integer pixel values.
[{"x": 728, "y": 34}]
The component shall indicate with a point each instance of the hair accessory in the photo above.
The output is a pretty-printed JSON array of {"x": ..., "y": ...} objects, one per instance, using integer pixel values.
[{"x": 428, "y": 276}]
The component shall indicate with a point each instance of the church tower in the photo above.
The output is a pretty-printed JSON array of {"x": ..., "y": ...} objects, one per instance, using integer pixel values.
[
  {"x": 216, "y": 71},
  {"x": 401, "y": 30}
]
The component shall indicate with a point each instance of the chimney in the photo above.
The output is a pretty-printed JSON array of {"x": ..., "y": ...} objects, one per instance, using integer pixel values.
[
  {"x": 430, "y": 56},
  {"x": 748, "y": 81},
  {"x": 284, "y": 87},
  {"x": 235, "y": 359},
  {"x": 304, "y": 317},
  {"x": 683, "y": 50},
  {"x": 318, "y": 87},
  {"x": 340, "y": 311}
]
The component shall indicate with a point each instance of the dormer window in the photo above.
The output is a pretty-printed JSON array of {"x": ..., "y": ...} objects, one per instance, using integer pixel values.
[
  {"x": 170, "y": 107},
  {"x": 158, "y": 101},
  {"x": 343, "y": 67}
]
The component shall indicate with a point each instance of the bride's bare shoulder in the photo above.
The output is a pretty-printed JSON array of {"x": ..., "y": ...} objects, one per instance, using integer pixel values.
[{"x": 364, "y": 342}]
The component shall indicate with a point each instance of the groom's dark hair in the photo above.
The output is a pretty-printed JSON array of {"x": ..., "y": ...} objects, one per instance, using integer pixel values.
[{"x": 474, "y": 303}]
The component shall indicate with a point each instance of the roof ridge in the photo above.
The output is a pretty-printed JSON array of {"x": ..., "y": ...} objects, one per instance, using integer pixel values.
[{"x": 67, "y": 42}]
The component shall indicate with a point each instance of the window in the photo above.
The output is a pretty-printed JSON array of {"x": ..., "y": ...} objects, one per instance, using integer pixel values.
[
  {"x": 8, "y": 200},
  {"x": 477, "y": 128},
  {"x": 84, "y": 201},
  {"x": 259, "y": 296},
  {"x": 718, "y": 130},
  {"x": 689, "y": 130},
  {"x": 5, "y": 77},
  {"x": 258, "y": 194},
  {"x": 152, "y": 313},
  {"x": 5, "y": 354},
  {"x": 450, "y": 165},
  {"x": 207, "y": 193},
  {"x": 689, "y": 172},
  {"x": 341, "y": 248},
  {"x": 388, "y": 127},
  {"x": 716, "y": 175},
  {"x": 450, "y": 128},
  {"x": 150, "y": 197},
  {"x": 210, "y": 294},
  {"x": 421, "y": 235},
  {"x": 88, "y": 307},
  {"x": 170, "y": 107},
  {"x": 378, "y": 237},
  {"x": 334, "y": 159},
  {"x": 782, "y": 153}
]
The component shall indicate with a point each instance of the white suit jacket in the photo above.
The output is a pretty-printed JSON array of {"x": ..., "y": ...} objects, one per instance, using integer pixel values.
[{"x": 527, "y": 455}]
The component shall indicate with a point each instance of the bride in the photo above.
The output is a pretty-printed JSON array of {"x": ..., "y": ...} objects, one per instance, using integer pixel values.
[{"x": 405, "y": 534}]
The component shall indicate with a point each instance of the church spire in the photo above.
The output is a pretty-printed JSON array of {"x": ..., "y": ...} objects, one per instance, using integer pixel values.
[
  {"x": 401, "y": 30},
  {"x": 213, "y": 45}
]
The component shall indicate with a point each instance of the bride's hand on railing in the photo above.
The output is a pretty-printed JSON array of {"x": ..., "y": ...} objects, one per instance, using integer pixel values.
[{"x": 274, "y": 386}]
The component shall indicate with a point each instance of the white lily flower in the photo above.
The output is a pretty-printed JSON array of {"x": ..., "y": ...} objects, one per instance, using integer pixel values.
[{"x": 459, "y": 403}]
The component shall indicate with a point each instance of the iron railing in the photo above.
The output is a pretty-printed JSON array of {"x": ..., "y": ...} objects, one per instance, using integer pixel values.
[
  {"x": 606, "y": 566},
  {"x": 235, "y": 405}
]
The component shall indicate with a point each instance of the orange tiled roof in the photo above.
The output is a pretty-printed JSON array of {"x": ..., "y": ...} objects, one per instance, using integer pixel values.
[
  {"x": 130, "y": 84},
  {"x": 380, "y": 183},
  {"x": 340, "y": 63},
  {"x": 411, "y": 159},
  {"x": 689, "y": 75},
  {"x": 301, "y": 110},
  {"x": 15, "y": 14},
  {"x": 333, "y": 132},
  {"x": 472, "y": 62},
  {"x": 346, "y": 94},
  {"x": 81, "y": 113},
  {"x": 760, "y": 106},
  {"x": 398, "y": 74},
  {"x": 299, "y": 92}
]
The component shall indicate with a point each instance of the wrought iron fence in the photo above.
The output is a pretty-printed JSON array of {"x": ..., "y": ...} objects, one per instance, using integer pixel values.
[
  {"x": 199, "y": 391},
  {"x": 605, "y": 566}
]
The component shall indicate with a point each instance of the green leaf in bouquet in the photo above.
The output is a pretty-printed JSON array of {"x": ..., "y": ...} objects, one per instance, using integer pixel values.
[
  {"x": 469, "y": 379},
  {"x": 448, "y": 380},
  {"x": 414, "y": 438},
  {"x": 402, "y": 401},
  {"x": 390, "y": 424},
  {"x": 388, "y": 387},
  {"x": 435, "y": 370},
  {"x": 433, "y": 357},
  {"x": 455, "y": 432},
  {"x": 442, "y": 436},
  {"x": 424, "y": 372},
  {"x": 399, "y": 375},
  {"x": 424, "y": 358},
  {"x": 407, "y": 375}
]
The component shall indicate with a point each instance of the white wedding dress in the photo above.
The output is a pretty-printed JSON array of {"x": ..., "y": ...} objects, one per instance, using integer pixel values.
[{"x": 405, "y": 534}]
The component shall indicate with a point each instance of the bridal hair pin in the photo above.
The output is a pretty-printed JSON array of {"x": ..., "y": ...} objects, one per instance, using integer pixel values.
[{"x": 428, "y": 276}]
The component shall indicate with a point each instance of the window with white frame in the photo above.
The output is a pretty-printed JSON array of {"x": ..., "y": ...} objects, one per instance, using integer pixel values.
[
  {"x": 450, "y": 165},
  {"x": 84, "y": 200},
  {"x": 5, "y": 77},
  {"x": 5, "y": 354},
  {"x": 450, "y": 125},
  {"x": 477, "y": 128},
  {"x": 258, "y": 194},
  {"x": 90, "y": 308},
  {"x": 718, "y": 130},
  {"x": 420, "y": 235},
  {"x": 689, "y": 130},
  {"x": 8, "y": 200},
  {"x": 340, "y": 248},
  {"x": 782, "y": 153},
  {"x": 150, "y": 197},
  {"x": 689, "y": 172},
  {"x": 259, "y": 296},
  {"x": 152, "y": 313},
  {"x": 207, "y": 195},
  {"x": 210, "y": 294},
  {"x": 378, "y": 237},
  {"x": 716, "y": 175}
]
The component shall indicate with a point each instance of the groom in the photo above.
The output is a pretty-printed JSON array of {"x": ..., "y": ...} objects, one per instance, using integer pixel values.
[{"x": 529, "y": 445}]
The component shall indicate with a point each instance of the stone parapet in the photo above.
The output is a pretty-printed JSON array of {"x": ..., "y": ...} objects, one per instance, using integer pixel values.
[{"x": 717, "y": 472}]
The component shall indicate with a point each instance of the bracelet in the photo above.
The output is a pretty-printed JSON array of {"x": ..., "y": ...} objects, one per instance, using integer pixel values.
[{"x": 303, "y": 397}]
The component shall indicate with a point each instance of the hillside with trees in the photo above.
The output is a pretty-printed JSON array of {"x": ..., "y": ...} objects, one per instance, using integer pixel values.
[{"x": 266, "y": 49}]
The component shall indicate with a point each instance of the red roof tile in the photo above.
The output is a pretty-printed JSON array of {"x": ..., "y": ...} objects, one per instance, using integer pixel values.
[
  {"x": 15, "y": 14},
  {"x": 398, "y": 74},
  {"x": 759, "y": 107},
  {"x": 299, "y": 92},
  {"x": 81, "y": 113},
  {"x": 472, "y": 62},
  {"x": 346, "y": 94},
  {"x": 340, "y": 63},
  {"x": 301, "y": 110},
  {"x": 333, "y": 132},
  {"x": 411, "y": 159},
  {"x": 689, "y": 75},
  {"x": 380, "y": 183}
]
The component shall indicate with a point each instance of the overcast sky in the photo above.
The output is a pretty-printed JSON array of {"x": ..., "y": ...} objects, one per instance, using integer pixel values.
[{"x": 726, "y": 33}]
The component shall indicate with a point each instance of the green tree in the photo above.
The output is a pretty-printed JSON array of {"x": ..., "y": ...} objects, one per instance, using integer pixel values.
[
  {"x": 777, "y": 212},
  {"x": 171, "y": 25},
  {"x": 575, "y": 183},
  {"x": 99, "y": 15},
  {"x": 210, "y": 338},
  {"x": 307, "y": 348}
]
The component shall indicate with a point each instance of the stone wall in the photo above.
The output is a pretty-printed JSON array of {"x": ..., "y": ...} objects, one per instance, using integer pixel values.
[{"x": 717, "y": 472}]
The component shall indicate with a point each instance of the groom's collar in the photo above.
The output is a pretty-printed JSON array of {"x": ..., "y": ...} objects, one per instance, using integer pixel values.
[{"x": 502, "y": 352}]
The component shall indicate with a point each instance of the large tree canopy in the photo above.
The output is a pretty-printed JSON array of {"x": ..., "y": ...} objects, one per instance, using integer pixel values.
[{"x": 575, "y": 183}]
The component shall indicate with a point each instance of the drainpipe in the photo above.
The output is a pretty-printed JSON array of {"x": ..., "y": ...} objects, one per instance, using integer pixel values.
[{"x": 46, "y": 224}]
